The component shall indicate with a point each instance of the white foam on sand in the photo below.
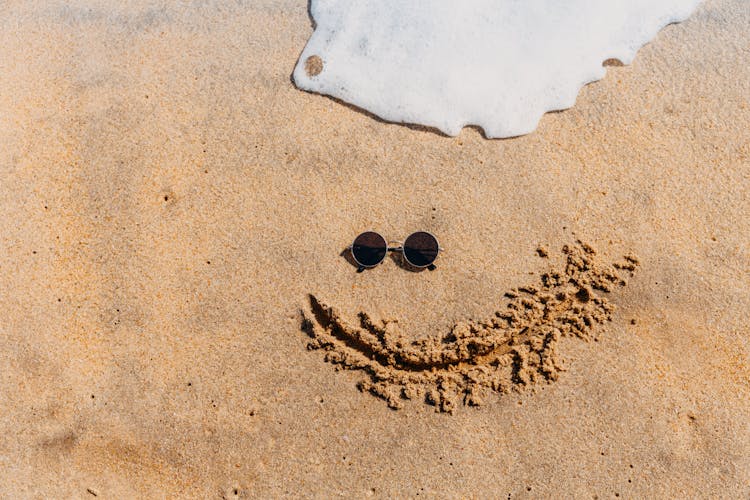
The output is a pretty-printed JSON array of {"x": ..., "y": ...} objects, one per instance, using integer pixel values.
[{"x": 498, "y": 64}]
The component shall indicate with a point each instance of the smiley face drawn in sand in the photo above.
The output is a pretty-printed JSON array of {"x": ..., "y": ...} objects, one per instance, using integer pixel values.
[{"x": 513, "y": 349}]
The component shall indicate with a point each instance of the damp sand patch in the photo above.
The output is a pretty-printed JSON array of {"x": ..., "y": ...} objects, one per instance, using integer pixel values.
[{"x": 515, "y": 348}]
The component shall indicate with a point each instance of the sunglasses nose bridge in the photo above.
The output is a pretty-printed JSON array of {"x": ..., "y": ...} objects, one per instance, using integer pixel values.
[{"x": 395, "y": 246}]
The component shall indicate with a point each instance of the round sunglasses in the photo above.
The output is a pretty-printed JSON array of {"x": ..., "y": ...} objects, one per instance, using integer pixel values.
[{"x": 419, "y": 250}]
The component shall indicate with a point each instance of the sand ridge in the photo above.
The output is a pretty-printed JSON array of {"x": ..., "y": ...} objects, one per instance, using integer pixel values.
[{"x": 515, "y": 348}]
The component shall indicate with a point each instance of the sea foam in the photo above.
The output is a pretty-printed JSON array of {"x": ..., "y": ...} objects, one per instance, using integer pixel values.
[{"x": 497, "y": 64}]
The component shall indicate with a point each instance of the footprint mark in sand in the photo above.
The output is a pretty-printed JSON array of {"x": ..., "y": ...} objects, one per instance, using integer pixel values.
[{"x": 515, "y": 348}]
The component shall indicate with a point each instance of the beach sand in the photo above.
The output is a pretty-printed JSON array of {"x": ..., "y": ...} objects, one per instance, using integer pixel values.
[{"x": 170, "y": 201}]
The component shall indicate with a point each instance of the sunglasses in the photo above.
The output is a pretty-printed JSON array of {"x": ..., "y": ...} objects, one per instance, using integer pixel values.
[{"x": 419, "y": 250}]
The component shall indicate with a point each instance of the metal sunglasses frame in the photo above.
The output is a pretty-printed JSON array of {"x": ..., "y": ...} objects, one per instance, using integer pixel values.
[{"x": 398, "y": 248}]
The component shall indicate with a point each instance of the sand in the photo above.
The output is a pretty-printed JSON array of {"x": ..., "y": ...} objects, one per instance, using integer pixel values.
[
  {"x": 170, "y": 202},
  {"x": 514, "y": 349}
]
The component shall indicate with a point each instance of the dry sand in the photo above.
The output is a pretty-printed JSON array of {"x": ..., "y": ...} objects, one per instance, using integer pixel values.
[
  {"x": 170, "y": 202},
  {"x": 514, "y": 349}
]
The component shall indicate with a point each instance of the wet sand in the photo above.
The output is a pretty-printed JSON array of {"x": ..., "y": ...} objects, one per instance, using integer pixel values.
[{"x": 170, "y": 202}]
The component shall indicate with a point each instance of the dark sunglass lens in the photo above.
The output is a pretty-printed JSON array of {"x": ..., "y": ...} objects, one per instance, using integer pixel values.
[
  {"x": 369, "y": 249},
  {"x": 421, "y": 249}
]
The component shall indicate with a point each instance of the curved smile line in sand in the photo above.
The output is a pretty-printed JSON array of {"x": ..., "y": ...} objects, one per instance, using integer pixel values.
[{"x": 516, "y": 347}]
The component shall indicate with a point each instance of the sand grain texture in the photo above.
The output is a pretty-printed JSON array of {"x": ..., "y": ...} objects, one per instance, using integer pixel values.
[
  {"x": 169, "y": 201},
  {"x": 517, "y": 347}
]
